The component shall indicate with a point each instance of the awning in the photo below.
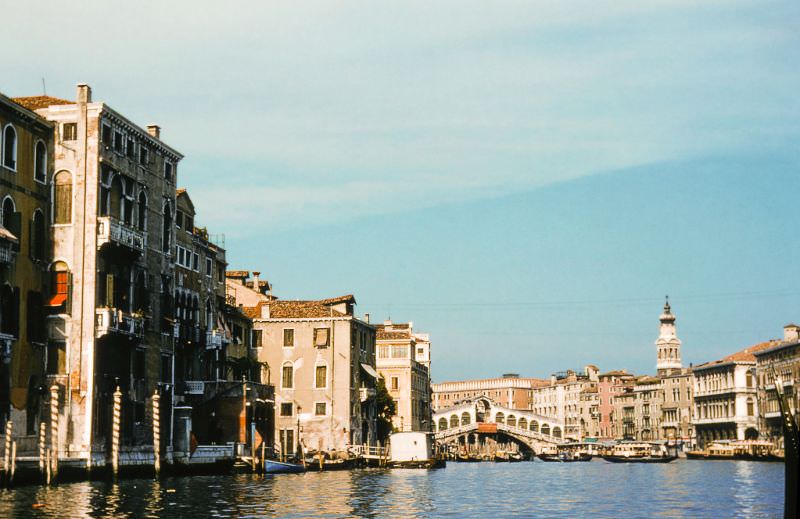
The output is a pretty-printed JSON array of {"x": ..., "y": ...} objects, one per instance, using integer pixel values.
[
  {"x": 7, "y": 235},
  {"x": 57, "y": 300},
  {"x": 370, "y": 370}
]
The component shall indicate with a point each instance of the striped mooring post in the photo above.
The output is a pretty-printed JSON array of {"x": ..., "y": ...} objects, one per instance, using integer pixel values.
[
  {"x": 7, "y": 450},
  {"x": 42, "y": 447},
  {"x": 156, "y": 432},
  {"x": 115, "y": 432},
  {"x": 54, "y": 431}
]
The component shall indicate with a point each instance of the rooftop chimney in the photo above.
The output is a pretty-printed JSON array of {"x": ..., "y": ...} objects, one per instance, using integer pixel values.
[
  {"x": 366, "y": 318},
  {"x": 84, "y": 93},
  {"x": 255, "y": 281},
  {"x": 154, "y": 130},
  {"x": 791, "y": 333}
]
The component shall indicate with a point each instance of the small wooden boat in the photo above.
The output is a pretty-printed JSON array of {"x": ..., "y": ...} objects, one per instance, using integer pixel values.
[
  {"x": 467, "y": 458},
  {"x": 514, "y": 457},
  {"x": 281, "y": 467},
  {"x": 322, "y": 463}
]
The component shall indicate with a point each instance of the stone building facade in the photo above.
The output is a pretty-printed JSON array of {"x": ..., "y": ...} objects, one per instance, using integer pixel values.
[
  {"x": 781, "y": 359},
  {"x": 510, "y": 390},
  {"x": 26, "y": 175},
  {"x": 726, "y": 398},
  {"x": 323, "y": 360},
  {"x": 609, "y": 385},
  {"x": 404, "y": 365},
  {"x": 112, "y": 232}
]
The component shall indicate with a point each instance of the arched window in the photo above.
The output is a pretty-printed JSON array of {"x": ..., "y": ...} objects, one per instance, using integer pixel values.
[
  {"x": 546, "y": 429},
  {"x": 115, "y": 200},
  {"x": 454, "y": 421},
  {"x": 142, "y": 211},
  {"x": 62, "y": 197},
  {"x": 442, "y": 423},
  {"x": 38, "y": 236},
  {"x": 750, "y": 406},
  {"x": 11, "y": 220},
  {"x": 287, "y": 376},
  {"x": 523, "y": 423},
  {"x": 512, "y": 421},
  {"x": 209, "y": 315},
  {"x": 141, "y": 297},
  {"x": 60, "y": 287},
  {"x": 40, "y": 162},
  {"x": 10, "y": 147},
  {"x": 167, "y": 228},
  {"x": 465, "y": 418},
  {"x": 499, "y": 418}
]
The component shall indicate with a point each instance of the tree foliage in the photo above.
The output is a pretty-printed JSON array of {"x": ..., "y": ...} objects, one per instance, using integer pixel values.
[{"x": 386, "y": 409}]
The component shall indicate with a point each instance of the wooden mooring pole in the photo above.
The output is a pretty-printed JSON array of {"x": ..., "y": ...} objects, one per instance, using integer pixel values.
[
  {"x": 7, "y": 451},
  {"x": 156, "y": 433},
  {"x": 13, "y": 463},
  {"x": 42, "y": 449},
  {"x": 115, "y": 432},
  {"x": 53, "y": 432}
]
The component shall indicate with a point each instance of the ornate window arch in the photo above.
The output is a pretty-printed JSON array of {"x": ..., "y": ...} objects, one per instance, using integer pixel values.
[
  {"x": 10, "y": 147},
  {"x": 40, "y": 161}
]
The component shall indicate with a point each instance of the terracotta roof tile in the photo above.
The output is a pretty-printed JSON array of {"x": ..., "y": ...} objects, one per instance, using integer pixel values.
[
  {"x": 383, "y": 335},
  {"x": 307, "y": 309},
  {"x": 745, "y": 355},
  {"x": 37, "y": 102},
  {"x": 236, "y": 274}
]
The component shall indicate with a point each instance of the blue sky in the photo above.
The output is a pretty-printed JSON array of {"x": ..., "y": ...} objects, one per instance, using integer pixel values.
[{"x": 524, "y": 180}]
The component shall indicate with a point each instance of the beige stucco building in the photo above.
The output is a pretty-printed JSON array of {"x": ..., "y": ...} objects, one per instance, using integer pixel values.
[
  {"x": 403, "y": 360},
  {"x": 322, "y": 358}
]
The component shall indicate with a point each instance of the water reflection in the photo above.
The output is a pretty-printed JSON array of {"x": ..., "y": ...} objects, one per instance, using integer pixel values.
[{"x": 683, "y": 488}]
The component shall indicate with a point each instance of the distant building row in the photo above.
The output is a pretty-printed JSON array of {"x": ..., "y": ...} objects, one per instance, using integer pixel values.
[{"x": 729, "y": 399}]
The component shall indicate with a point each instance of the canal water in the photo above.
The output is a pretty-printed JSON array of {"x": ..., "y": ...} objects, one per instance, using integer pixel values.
[{"x": 684, "y": 488}]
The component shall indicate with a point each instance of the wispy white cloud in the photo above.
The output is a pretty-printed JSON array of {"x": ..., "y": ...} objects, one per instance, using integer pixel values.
[{"x": 335, "y": 110}]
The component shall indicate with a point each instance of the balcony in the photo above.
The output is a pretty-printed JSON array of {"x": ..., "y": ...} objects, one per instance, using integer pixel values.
[
  {"x": 112, "y": 320},
  {"x": 194, "y": 387},
  {"x": 215, "y": 339},
  {"x": 7, "y": 256},
  {"x": 111, "y": 230},
  {"x": 365, "y": 393}
]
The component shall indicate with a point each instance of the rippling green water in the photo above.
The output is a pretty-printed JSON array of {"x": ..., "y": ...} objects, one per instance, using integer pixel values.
[{"x": 679, "y": 489}]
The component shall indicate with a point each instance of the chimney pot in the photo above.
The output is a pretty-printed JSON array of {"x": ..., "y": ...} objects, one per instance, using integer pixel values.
[
  {"x": 154, "y": 130},
  {"x": 366, "y": 318}
]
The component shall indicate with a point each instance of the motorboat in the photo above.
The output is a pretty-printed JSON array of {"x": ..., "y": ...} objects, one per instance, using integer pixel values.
[{"x": 638, "y": 453}]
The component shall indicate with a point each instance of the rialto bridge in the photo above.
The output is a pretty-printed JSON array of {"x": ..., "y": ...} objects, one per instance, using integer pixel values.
[{"x": 467, "y": 422}]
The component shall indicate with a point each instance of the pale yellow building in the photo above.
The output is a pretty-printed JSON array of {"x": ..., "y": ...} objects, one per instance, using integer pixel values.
[{"x": 403, "y": 360}]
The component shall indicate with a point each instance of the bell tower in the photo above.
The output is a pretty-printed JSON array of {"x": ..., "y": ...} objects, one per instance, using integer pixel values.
[{"x": 668, "y": 346}]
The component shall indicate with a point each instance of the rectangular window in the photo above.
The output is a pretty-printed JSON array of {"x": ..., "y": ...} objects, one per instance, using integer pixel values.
[
  {"x": 288, "y": 338},
  {"x": 168, "y": 170},
  {"x": 383, "y": 352},
  {"x": 399, "y": 352},
  {"x": 287, "y": 440},
  {"x": 256, "y": 339},
  {"x": 209, "y": 267},
  {"x": 56, "y": 358},
  {"x": 321, "y": 379},
  {"x": 106, "y": 135},
  {"x": 179, "y": 220},
  {"x": 69, "y": 132},
  {"x": 320, "y": 408},
  {"x": 395, "y": 383},
  {"x": 118, "y": 142},
  {"x": 286, "y": 409},
  {"x": 166, "y": 368},
  {"x": 142, "y": 155},
  {"x": 189, "y": 224},
  {"x": 131, "y": 148},
  {"x": 287, "y": 381},
  {"x": 321, "y": 337},
  {"x": 196, "y": 262}
]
